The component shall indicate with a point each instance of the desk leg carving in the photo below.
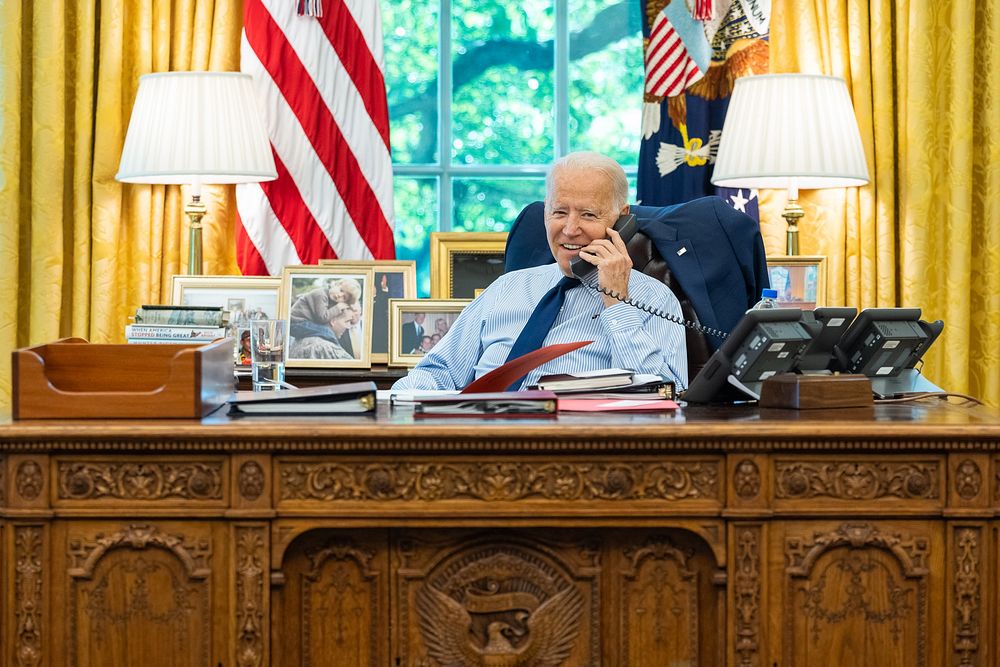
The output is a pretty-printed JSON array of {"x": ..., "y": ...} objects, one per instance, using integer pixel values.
[
  {"x": 747, "y": 594},
  {"x": 967, "y": 573},
  {"x": 250, "y": 595},
  {"x": 28, "y": 549}
]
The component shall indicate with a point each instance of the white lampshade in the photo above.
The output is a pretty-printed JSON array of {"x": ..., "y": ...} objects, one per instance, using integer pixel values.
[
  {"x": 194, "y": 128},
  {"x": 794, "y": 131}
]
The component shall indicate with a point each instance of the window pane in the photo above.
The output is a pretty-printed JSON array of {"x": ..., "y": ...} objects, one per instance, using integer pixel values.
[
  {"x": 502, "y": 90},
  {"x": 492, "y": 204},
  {"x": 606, "y": 78},
  {"x": 411, "y": 66},
  {"x": 416, "y": 204}
]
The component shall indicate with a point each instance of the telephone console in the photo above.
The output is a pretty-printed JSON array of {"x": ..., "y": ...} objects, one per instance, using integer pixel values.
[{"x": 764, "y": 343}]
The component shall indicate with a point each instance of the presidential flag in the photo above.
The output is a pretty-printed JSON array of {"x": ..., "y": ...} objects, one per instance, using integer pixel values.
[
  {"x": 317, "y": 69},
  {"x": 690, "y": 63}
]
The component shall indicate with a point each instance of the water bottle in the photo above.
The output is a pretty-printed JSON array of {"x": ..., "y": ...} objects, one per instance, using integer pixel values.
[{"x": 768, "y": 299}]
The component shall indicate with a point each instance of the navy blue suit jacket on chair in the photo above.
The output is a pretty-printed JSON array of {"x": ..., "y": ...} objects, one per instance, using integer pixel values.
[{"x": 712, "y": 252}]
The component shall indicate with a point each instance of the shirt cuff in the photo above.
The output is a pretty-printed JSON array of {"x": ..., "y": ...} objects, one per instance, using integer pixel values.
[{"x": 622, "y": 317}]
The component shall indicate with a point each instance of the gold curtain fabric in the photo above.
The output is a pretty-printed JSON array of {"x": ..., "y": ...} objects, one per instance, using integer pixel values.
[
  {"x": 925, "y": 80},
  {"x": 78, "y": 250}
]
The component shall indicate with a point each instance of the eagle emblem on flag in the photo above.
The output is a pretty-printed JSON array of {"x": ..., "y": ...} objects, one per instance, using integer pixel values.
[{"x": 693, "y": 52}]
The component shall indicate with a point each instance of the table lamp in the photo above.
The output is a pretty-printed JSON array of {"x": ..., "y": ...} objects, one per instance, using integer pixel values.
[
  {"x": 196, "y": 128},
  {"x": 792, "y": 131}
]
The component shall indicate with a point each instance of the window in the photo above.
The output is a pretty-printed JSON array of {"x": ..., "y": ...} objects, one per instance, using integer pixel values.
[{"x": 484, "y": 94}]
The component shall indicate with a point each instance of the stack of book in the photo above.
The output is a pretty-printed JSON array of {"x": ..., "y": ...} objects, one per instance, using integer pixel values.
[{"x": 176, "y": 324}]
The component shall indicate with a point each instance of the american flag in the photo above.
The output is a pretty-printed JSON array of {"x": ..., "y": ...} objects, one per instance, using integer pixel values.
[
  {"x": 677, "y": 55},
  {"x": 320, "y": 84}
]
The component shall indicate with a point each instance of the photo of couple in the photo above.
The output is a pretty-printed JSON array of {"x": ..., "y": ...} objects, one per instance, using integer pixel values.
[
  {"x": 418, "y": 337},
  {"x": 329, "y": 319}
]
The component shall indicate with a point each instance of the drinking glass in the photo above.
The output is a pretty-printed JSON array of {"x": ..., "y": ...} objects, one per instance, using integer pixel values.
[{"x": 268, "y": 349}]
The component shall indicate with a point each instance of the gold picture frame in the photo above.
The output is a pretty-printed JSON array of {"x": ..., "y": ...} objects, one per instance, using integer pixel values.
[
  {"x": 394, "y": 279},
  {"x": 462, "y": 262},
  {"x": 244, "y": 297},
  {"x": 404, "y": 312},
  {"x": 799, "y": 279},
  {"x": 306, "y": 300}
]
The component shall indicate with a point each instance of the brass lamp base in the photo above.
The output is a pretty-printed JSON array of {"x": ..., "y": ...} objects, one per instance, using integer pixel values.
[
  {"x": 792, "y": 213},
  {"x": 195, "y": 211}
]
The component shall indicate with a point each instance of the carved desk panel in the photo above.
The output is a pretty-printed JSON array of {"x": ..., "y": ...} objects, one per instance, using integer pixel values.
[{"x": 709, "y": 536}]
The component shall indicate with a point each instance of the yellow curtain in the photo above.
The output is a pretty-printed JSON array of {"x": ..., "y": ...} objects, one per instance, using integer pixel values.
[
  {"x": 78, "y": 250},
  {"x": 925, "y": 79}
]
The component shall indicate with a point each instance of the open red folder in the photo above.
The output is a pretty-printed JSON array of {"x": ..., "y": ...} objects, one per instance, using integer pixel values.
[{"x": 504, "y": 376}]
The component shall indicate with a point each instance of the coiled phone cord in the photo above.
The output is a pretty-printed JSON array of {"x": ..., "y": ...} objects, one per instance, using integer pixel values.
[{"x": 646, "y": 308}]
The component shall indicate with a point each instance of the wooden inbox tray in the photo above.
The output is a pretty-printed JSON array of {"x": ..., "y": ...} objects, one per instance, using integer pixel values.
[{"x": 71, "y": 378}]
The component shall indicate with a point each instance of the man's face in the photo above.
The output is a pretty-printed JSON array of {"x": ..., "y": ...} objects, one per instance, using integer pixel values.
[
  {"x": 419, "y": 318},
  {"x": 580, "y": 210}
]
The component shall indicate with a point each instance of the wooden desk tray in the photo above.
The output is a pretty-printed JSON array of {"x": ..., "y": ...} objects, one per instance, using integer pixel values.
[{"x": 71, "y": 378}]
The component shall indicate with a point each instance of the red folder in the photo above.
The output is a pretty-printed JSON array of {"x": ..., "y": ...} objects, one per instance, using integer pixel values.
[{"x": 504, "y": 376}]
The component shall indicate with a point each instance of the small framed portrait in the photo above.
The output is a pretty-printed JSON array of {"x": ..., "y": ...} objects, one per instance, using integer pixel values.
[
  {"x": 329, "y": 313},
  {"x": 800, "y": 280},
  {"x": 394, "y": 279},
  {"x": 463, "y": 262},
  {"x": 244, "y": 297},
  {"x": 417, "y": 325}
]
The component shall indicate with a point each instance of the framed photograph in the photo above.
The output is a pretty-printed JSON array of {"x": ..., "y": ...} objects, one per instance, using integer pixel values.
[
  {"x": 462, "y": 262},
  {"x": 799, "y": 280},
  {"x": 416, "y": 326},
  {"x": 394, "y": 279},
  {"x": 245, "y": 297},
  {"x": 329, "y": 313}
]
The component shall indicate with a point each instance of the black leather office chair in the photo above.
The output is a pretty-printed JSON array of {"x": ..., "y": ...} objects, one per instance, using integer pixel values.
[{"x": 709, "y": 255}]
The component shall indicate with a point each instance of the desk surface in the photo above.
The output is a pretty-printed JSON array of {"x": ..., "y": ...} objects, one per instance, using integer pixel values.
[{"x": 925, "y": 424}]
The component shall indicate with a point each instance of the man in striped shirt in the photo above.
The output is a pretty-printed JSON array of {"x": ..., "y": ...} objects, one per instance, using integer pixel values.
[{"x": 585, "y": 194}]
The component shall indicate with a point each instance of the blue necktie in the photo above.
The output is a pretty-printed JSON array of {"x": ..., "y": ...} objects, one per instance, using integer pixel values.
[{"x": 537, "y": 327}]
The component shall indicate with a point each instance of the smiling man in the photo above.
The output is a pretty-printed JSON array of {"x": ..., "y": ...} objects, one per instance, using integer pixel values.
[{"x": 585, "y": 194}]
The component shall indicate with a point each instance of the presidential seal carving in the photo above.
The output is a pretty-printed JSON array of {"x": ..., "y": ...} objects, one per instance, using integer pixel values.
[{"x": 499, "y": 606}]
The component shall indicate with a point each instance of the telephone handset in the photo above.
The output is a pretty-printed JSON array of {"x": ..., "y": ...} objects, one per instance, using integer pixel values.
[{"x": 626, "y": 227}]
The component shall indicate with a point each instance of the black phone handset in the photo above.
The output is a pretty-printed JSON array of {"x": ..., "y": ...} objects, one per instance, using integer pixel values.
[{"x": 626, "y": 227}]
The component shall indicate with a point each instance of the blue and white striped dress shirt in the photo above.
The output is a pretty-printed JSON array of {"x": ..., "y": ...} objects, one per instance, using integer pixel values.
[{"x": 624, "y": 337}]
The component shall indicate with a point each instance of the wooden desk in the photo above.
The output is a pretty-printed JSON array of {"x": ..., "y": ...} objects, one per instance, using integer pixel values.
[{"x": 711, "y": 536}]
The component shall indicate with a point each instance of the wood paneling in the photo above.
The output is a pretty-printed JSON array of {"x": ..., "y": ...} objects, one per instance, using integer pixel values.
[
  {"x": 862, "y": 593},
  {"x": 137, "y": 593},
  {"x": 333, "y": 606}
]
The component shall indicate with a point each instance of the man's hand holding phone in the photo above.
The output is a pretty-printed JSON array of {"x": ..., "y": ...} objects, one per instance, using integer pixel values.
[{"x": 610, "y": 257}]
